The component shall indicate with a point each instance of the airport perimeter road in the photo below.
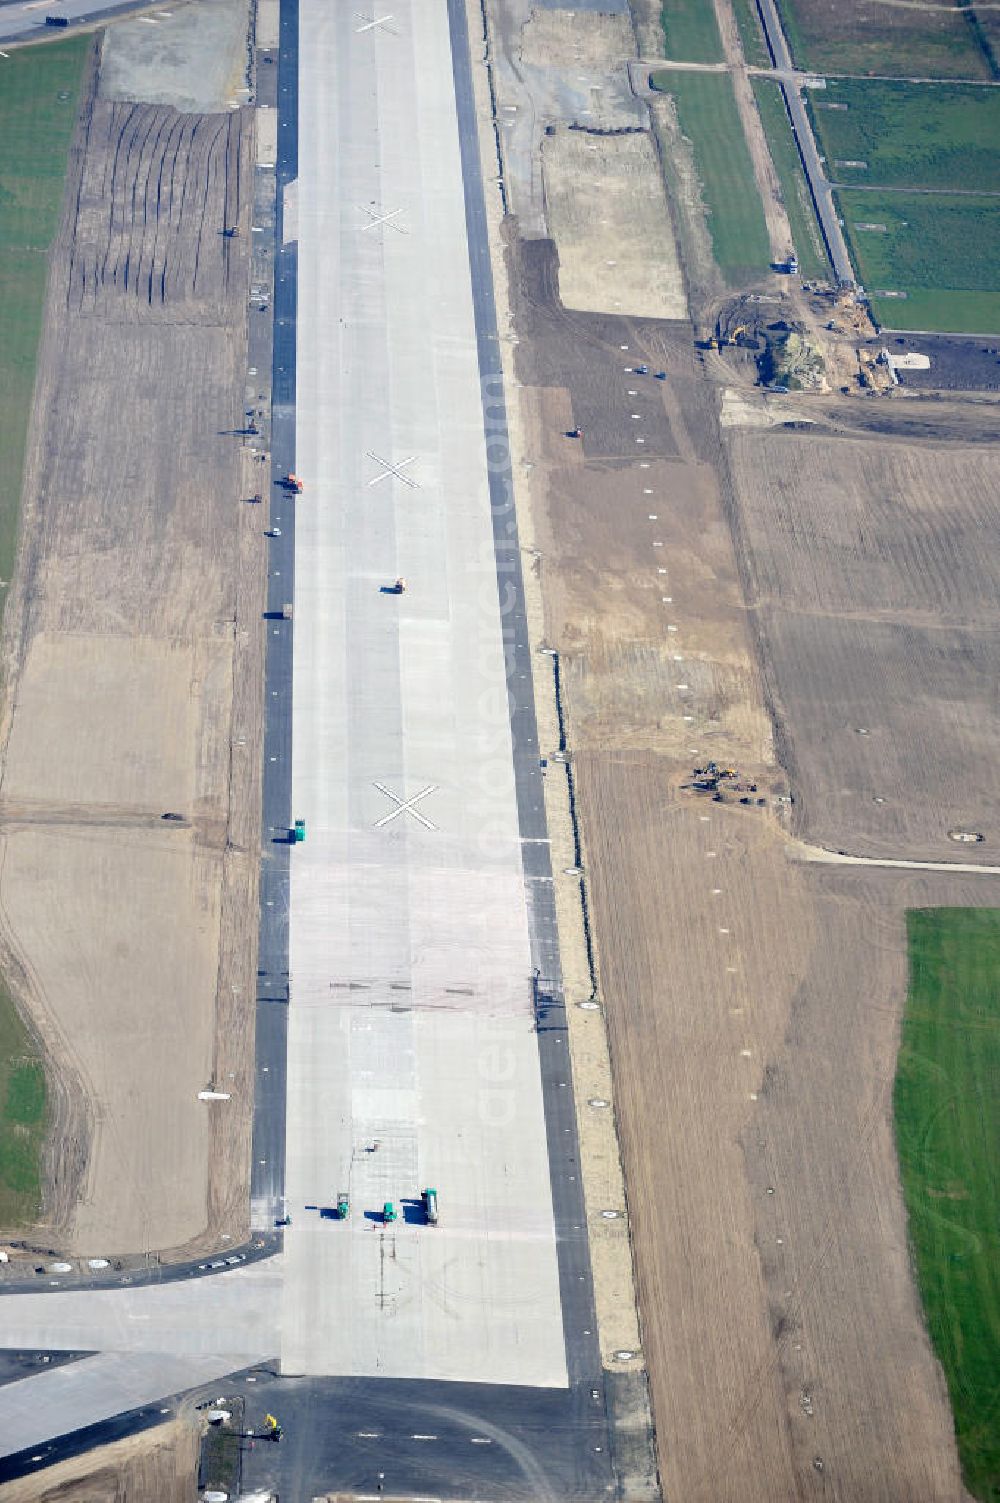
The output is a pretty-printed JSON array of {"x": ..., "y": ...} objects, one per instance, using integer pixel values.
[
  {"x": 412, "y": 1056},
  {"x": 822, "y": 193},
  {"x": 24, "y": 20}
]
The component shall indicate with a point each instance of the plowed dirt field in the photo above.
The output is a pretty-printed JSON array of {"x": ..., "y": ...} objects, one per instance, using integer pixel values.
[{"x": 875, "y": 599}]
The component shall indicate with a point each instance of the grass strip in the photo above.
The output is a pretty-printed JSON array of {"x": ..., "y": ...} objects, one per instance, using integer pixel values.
[
  {"x": 23, "y": 1118},
  {"x": 947, "y": 1116},
  {"x": 806, "y": 235},
  {"x": 39, "y": 94},
  {"x": 690, "y": 31},
  {"x": 751, "y": 34},
  {"x": 707, "y": 113}
]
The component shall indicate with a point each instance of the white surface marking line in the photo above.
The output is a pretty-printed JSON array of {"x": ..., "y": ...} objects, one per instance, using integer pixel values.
[{"x": 405, "y": 805}]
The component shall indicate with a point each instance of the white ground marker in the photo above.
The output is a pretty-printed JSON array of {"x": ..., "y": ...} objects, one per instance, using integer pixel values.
[
  {"x": 405, "y": 806},
  {"x": 394, "y": 470}
]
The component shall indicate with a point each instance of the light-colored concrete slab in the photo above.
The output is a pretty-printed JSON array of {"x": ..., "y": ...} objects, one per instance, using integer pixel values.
[
  {"x": 227, "y": 1315},
  {"x": 267, "y": 136},
  {"x": 47, "y": 1405},
  {"x": 410, "y": 1022}
]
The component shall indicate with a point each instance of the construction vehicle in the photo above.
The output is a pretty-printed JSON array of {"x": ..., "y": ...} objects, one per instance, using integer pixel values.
[
  {"x": 430, "y": 1199},
  {"x": 272, "y": 1430},
  {"x": 343, "y": 1206},
  {"x": 298, "y": 832},
  {"x": 707, "y": 779},
  {"x": 292, "y": 483},
  {"x": 389, "y": 1213},
  {"x": 734, "y": 337}
]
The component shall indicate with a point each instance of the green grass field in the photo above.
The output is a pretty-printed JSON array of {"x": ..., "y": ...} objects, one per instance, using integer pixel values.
[
  {"x": 22, "y": 1118},
  {"x": 947, "y": 1112},
  {"x": 39, "y": 89},
  {"x": 942, "y": 250},
  {"x": 898, "y": 41},
  {"x": 911, "y": 135},
  {"x": 809, "y": 245},
  {"x": 706, "y": 109},
  {"x": 751, "y": 35},
  {"x": 690, "y": 31}
]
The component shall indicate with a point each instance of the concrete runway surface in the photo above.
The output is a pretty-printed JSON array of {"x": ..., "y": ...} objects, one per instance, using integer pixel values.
[{"x": 412, "y": 1056}]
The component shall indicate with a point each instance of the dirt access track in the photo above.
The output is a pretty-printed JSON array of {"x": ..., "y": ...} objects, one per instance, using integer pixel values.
[{"x": 131, "y": 658}]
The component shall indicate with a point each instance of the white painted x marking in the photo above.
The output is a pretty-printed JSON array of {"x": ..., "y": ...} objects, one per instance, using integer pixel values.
[
  {"x": 395, "y": 470},
  {"x": 405, "y": 806},
  {"x": 374, "y": 220},
  {"x": 370, "y": 24}
]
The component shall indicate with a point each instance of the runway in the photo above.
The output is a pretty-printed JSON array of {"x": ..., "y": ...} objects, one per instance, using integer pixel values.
[{"x": 412, "y": 1055}]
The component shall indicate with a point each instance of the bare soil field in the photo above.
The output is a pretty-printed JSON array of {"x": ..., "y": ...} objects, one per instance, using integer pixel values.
[
  {"x": 621, "y": 567},
  {"x": 564, "y": 38},
  {"x": 159, "y": 1466},
  {"x": 875, "y": 601},
  {"x": 132, "y": 664},
  {"x": 648, "y": 548},
  {"x": 752, "y": 1003},
  {"x": 753, "y": 1012},
  {"x": 195, "y": 58},
  {"x": 606, "y": 209},
  {"x": 957, "y": 363}
]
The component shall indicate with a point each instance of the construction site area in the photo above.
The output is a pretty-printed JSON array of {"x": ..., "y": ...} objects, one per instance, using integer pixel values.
[{"x": 620, "y": 965}]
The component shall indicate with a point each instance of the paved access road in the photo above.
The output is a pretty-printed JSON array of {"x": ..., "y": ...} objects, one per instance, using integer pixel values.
[{"x": 24, "y": 20}]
